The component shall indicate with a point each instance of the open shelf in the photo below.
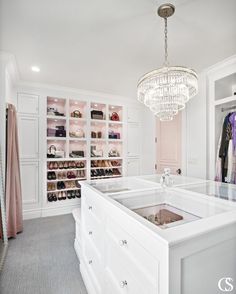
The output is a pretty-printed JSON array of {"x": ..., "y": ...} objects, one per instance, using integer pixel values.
[{"x": 82, "y": 131}]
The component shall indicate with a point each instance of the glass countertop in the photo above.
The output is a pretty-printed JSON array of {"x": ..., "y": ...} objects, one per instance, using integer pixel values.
[
  {"x": 214, "y": 189},
  {"x": 177, "y": 180},
  {"x": 122, "y": 185},
  {"x": 167, "y": 209}
]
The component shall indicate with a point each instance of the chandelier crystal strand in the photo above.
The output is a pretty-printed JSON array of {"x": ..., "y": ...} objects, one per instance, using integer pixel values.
[{"x": 166, "y": 90}]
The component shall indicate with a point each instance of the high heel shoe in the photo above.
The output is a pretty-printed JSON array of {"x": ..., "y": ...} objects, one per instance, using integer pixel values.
[
  {"x": 65, "y": 165},
  {"x": 55, "y": 165}
]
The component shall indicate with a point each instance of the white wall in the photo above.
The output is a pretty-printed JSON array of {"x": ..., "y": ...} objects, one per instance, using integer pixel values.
[
  {"x": 148, "y": 155},
  {"x": 196, "y": 132}
]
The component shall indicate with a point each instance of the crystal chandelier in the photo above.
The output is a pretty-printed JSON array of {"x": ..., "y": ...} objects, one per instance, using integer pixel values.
[{"x": 166, "y": 90}]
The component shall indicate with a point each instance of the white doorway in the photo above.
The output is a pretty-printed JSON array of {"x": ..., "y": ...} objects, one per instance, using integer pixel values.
[{"x": 169, "y": 145}]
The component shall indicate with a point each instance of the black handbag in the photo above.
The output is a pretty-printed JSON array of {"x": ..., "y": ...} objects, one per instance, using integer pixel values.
[
  {"x": 60, "y": 133},
  {"x": 96, "y": 114}
]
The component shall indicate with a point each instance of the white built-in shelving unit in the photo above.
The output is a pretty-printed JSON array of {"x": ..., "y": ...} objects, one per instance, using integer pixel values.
[{"x": 98, "y": 143}]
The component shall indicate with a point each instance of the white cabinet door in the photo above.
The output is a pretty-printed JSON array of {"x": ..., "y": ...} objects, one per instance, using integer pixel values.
[
  {"x": 133, "y": 140},
  {"x": 27, "y": 103},
  {"x": 29, "y": 182},
  {"x": 134, "y": 114},
  {"x": 133, "y": 167},
  {"x": 28, "y": 137}
]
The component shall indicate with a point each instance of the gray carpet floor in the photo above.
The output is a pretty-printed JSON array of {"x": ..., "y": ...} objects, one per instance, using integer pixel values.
[{"x": 42, "y": 260}]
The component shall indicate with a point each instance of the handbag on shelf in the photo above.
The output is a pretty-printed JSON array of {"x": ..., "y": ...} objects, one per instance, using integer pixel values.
[
  {"x": 77, "y": 153},
  {"x": 51, "y": 151},
  {"x": 113, "y": 135},
  {"x": 60, "y": 133},
  {"x": 77, "y": 134},
  {"x": 96, "y": 114},
  {"x": 114, "y": 153},
  {"x": 93, "y": 135},
  {"x": 76, "y": 113},
  {"x": 115, "y": 116}
]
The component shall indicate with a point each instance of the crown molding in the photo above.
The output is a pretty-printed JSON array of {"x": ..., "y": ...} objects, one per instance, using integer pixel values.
[
  {"x": 221, "y": 64},
  {"x": 51, "y": 87}
]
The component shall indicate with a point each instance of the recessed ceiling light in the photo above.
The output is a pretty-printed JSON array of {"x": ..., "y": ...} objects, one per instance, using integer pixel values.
[{"x": 35, "y": 68}]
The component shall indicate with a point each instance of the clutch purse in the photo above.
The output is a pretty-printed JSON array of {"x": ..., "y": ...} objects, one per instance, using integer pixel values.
[{"x": 96, "y": 114}]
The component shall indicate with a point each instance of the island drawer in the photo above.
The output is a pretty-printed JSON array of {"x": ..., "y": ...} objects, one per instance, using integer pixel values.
[
  {"x": 93, "y": 264},
  {"x": 92, "y": 206},
  {"x": 133, "y": 253},
  {"x": 124, "y": 275},
  {"x": 93, "y": 229}
]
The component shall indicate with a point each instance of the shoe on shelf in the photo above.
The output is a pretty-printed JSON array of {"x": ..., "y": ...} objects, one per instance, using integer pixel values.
[
  {"x": 54, "y": 176},
  {"x": 77, "y": 194},
  {"x": 55, "y": 165},
  {"x": 59, "y": 197},
  {"x": 49, "y": 176},
  {"x": 50, "y": 197},
  {"x": 73, "y": 194},
  {"x": 54, "y": 197},
  {"x": 51, "y": 165},
  {"x": 64, "y": 195},
  {"x": 65, "y": 165},
  {"x": 61, "y": 166},
  {"x": 69, "y": 194}
]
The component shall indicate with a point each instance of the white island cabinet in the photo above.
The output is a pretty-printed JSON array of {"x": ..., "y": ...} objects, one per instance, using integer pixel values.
[{"x": 137, "y": 238}]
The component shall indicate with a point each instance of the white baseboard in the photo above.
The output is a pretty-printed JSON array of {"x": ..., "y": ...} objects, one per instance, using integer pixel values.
[
  {"x": 48, "y": 211},
  {"x": 33, "y": 213},
  {"x": 77, "y": 248}
]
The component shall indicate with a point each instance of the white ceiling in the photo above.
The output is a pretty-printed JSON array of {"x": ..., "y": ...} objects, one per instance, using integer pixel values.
[{"x": 106, "y": 45}]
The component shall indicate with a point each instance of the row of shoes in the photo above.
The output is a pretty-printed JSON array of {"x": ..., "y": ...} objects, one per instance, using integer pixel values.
[
  {"x": 60, "y": 185},
  {"x": 104, "y": 163},
  {"x": 64, "y": 195},
  {"x": 65, "y": 164},
  {"x": 66, "y": 175},
  {"x": 105, "y": 172}
]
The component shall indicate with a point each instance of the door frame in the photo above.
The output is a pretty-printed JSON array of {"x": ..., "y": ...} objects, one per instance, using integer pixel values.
[{"x": 183, "y": 143}]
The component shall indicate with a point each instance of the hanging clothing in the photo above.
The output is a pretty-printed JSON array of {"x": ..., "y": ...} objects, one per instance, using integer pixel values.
[
  {"x": 223, "y": 153},
  {"x": 226, "y": 151},
  {"x": 218, "y": 177},
  {"x": 13, "y": 181},
  {"x": 232, "y": 120},
  {"x": 229, "y": 162}
]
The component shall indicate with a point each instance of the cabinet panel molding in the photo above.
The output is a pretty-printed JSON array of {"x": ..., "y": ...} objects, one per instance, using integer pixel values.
[
  {"x": 29, "y": 182},
  {"x": 28, "y": 137},
  {"x": 27, "y": 103}
]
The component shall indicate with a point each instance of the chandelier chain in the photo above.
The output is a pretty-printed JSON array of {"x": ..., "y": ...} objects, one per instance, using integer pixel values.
[{"x": 166, "y": 43}]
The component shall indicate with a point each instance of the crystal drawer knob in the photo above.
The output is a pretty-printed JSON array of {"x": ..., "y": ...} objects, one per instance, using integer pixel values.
[
  {"x": 90, "y": 261},
  {"x": 90, "y": 207},
  {"x": 123, "y": 284},
  {"x": 90, "y": 232},
  {"x": 123, "y": 242}
]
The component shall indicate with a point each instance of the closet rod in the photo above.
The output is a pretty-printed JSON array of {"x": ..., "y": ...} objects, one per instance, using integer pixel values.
[{"x": 228, "y": 108}]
